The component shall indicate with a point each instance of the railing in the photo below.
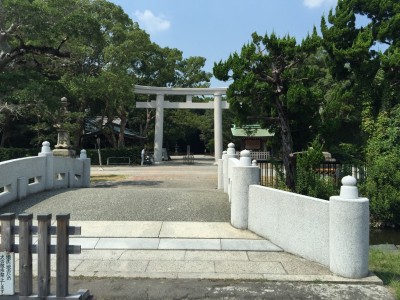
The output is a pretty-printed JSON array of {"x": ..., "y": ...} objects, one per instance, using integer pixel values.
[
  {"x": 257, "y": 155},
  {"x": 273, "y": 172},
  {"x": 25, "y": 248},
  {"x": 126, "y": 160}
]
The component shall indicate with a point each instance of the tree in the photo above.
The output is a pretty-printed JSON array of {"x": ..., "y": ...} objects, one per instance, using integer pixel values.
[
  {"x": 190, "y": 73},
  {"x": 369, "y": 86},
  {"x": 41, "y": 28},
  {"x": 101, "y": 80},
  {"x": 271, "y": 79},
  {"x": 89, "y": 51},
  {"x": 383, "y": 167},
  {"x": 40, "y": 40}
]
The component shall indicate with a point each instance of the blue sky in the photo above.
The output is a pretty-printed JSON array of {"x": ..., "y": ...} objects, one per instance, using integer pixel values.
[{"x": 215, "y": 28}]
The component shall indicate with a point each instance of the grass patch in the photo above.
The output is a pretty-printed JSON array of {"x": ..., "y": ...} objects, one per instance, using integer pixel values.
[
  {"x": 95, "y": 178},
  {"x": 386, "y": 265}
]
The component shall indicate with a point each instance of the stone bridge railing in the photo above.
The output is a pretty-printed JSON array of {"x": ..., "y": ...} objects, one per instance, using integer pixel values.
[
  {"x": 24, "y": 176},
  {"x": 333, "y": 233}
]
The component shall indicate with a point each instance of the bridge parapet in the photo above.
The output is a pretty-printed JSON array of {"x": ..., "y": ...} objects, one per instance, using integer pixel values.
[
  {"x": 24, "y": 176},
  {"x": 333, "y": 233}
]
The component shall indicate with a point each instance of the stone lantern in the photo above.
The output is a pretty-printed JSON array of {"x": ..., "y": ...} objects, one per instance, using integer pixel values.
[{"x": 63, "y": 147}]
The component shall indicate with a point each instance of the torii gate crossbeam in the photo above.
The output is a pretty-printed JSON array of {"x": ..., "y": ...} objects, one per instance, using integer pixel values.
[{"x": 159, "y": 104}]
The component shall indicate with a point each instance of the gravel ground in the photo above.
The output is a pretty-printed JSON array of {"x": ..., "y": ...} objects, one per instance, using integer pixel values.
[{"x": 170, "y": 192}]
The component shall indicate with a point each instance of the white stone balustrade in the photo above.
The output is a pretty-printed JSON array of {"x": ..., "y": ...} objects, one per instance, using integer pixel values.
[
  {"x": 29, "y": 175},
  {"x": 333, "y": 233}
]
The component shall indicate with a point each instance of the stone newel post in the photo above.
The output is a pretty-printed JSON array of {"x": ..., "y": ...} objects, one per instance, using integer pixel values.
[
  {"x": 86, "y": 168},
  {"x": 221, "y": 171},
  {"x": 244, "y": 174},
  {"x": 46, "y": 152},
  {"x": 230, "y": 153},
  {"x": 349, "y": 231}
]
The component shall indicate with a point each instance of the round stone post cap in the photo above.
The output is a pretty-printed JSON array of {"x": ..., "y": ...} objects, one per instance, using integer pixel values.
[
  {"x": 349, "y": 181},
  {"x": 245, "y": 153},
  {"x": 349, "y": 189},
  {"x": 245, "y": 158},
  {"x": 46, "y": 147},
  {"x": 83, "y": 154},
  {"x": 254, "y": 163},
  {"x": 231, "y": 149}
]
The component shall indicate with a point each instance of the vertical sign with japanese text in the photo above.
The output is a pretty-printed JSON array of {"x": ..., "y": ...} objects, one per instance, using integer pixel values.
[{"x": 7, "y": 273}]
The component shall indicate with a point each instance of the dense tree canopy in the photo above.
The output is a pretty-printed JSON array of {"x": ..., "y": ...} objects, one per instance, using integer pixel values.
[
  {"x": 272, "y": 80},
  {"x": 92, "y": 53}
]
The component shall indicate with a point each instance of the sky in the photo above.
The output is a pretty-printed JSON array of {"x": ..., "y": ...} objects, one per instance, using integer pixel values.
[{"x": 216, "y": 28}]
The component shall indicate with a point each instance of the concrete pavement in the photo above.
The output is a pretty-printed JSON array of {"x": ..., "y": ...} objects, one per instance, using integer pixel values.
[
  {"x": 192, "y": 260},
  {"x": 190, "y": 250}
]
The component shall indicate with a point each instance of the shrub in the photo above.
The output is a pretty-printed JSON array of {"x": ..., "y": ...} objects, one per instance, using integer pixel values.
[
  {"x": 13, "y": 153},
  {"x": 308, "y": 181},
  {"x": 383, "y": 168}
]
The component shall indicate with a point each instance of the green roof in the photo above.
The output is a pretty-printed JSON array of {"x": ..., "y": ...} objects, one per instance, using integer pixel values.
[{"x": 250, "y": 131}]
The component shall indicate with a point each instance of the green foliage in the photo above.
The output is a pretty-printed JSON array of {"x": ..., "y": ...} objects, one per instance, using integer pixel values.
[
  {"x": 88, "y": 51},
  {"x": 386, "y": 265},
  {"x": 13, "y": 153},
  {"x": 383, "y": 161},
  {"x": 308, "y": 179},
  {"x": 272, "y": 79}
]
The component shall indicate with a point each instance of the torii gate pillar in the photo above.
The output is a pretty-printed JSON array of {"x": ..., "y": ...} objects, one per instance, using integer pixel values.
[
  {"x": 159, "y": 129},
  {"x": 217, "y": 127}
]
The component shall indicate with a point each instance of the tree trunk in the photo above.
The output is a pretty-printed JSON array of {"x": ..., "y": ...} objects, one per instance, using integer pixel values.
[
  {"x": 108, "y": 131},
  {"x": 5, "y": 132},
  {"x": 149, "y": 117},
  {"x": 287, "y": 145},
  {"x": 121, "y": 135},
  {"x": 77, "y": 134}
]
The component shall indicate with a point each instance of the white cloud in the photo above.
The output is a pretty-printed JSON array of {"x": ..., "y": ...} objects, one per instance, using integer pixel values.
[
  {"x": 152, "y": 23},
  {"x": 318, "y": 3}
]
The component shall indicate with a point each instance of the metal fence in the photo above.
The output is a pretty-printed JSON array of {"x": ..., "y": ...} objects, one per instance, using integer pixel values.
[{"x": 273, "y": 172}]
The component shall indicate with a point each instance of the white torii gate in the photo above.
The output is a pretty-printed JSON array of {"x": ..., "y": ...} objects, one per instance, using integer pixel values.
[{"x": 159, "y": 104}]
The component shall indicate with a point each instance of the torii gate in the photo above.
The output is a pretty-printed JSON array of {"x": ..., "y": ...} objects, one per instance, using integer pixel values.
[{"x": 159, "y": 104}]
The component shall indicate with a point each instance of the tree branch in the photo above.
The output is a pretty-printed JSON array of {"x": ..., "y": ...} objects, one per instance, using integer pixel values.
[
  {"x": 266, "y": 78},
  {"x": 62, "y": 43},
  {"x": 23, "y": 49}
]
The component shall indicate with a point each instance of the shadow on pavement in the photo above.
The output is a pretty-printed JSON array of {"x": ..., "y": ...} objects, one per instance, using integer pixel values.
[{"x": 126, "y": 183}]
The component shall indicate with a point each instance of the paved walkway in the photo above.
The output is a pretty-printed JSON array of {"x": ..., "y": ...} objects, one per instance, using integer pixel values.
[{"x": 128, "y": 232}]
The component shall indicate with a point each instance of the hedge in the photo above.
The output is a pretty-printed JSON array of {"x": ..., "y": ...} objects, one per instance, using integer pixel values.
[
  {"x": 132, "y": 153},
  {"x": 13, "y": 153}
]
